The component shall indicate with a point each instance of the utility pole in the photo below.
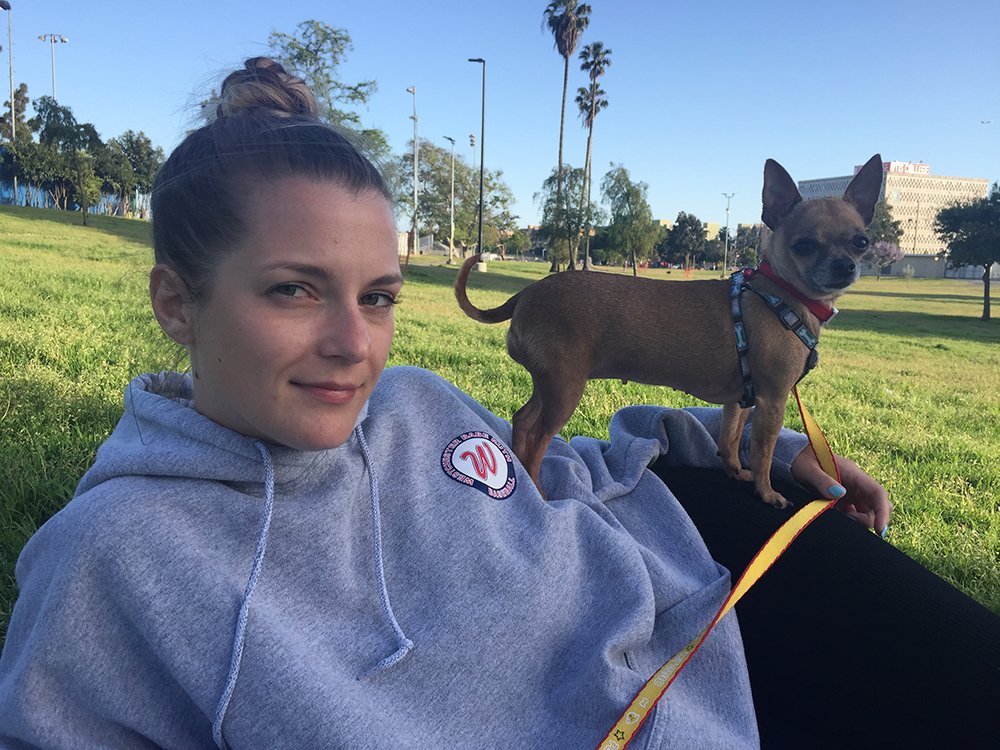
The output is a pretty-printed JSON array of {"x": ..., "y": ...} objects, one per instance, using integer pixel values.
[
  {"x": 482, "y": 151},
  {"x": 416, "y": 182},
  {"x": 725, "y": 256},
  {"x": 451, "y": 237}
]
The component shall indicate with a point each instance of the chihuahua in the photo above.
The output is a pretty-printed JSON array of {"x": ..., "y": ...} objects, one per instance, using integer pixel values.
[{"x": 710, "y": 338}]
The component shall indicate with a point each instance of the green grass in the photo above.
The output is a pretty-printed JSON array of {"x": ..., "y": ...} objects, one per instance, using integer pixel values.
[{"x": 907, "y": 382}]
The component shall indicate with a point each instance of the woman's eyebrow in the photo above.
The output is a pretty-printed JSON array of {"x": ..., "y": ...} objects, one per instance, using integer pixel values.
[
  {"x": 306, "y": 269},
  {"x": 388, "y": 280},
  {"x": 318, "y": 272}
]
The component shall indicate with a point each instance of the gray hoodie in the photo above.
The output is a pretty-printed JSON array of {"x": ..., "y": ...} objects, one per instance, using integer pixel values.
[{"x": 407, "y": 589}]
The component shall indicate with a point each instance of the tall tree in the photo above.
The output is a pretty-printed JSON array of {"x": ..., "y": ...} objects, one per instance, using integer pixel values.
[
  {"x": 55, "y": 124},
  {"x": 315, "y": 51},
  {"x": 145, "y": 160},
  {"x": 560, "y": 215},
  {"x": 59, "y": 132},
  {"x": 117, "y": 178},
  {"x": 747, "y": 245},
  {"x": 883, "y": 228},
  {"x": 632, "y": 227},
  {"x": 435, "y": 204},
  {"x": 972, "y": 232},
  {"x": 686, "y": 240},
  {"x": 21, "y": 129},
  {"x": 594, "y": 61},
  {"x": 36, "y": 167},
  {"x": 85, "y": 186},
  {"x": 566, "y": 20}
]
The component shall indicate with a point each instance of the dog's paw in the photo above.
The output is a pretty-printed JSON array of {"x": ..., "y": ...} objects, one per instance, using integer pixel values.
[
  {"x": 743, "y": 475},
  {"x": 775, "y": 499}
]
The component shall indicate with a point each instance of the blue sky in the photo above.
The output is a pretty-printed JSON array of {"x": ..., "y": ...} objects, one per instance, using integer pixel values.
[{"x": 700, "y": 93}]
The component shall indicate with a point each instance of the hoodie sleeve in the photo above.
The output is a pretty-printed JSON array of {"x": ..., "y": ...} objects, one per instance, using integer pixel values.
[{"x": 640, "y": 435}]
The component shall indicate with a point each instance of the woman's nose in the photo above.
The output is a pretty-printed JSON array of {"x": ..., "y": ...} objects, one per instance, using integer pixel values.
[{"x": 345, "y": 334}]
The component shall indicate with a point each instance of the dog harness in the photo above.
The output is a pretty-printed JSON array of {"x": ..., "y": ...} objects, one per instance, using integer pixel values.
[{"x": 788, "y": 317}]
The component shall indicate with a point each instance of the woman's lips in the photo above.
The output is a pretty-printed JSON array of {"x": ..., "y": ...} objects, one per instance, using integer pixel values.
[{"x": 330, "y": 393}]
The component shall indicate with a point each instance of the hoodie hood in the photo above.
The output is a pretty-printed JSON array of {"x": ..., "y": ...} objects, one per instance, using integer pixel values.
[{"x": 162, "y": 435}]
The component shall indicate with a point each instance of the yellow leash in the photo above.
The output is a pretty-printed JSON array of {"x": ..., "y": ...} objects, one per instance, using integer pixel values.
[{"x": 643, "y": 704}]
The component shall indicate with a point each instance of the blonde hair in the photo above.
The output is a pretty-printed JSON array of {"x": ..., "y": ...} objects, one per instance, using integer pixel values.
[
  {"x": 265, "y": 127},
  {"x": 263, "y": 84}
]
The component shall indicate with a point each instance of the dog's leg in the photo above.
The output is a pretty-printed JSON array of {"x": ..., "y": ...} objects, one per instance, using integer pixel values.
[
  {"x": 552, "y": 403},
  {"x": 734, "y": 418},
  {"x": 768, "y": 417}
]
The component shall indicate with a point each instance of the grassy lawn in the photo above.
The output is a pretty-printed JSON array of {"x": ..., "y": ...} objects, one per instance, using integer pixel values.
[{"x": 907, "y": 384}]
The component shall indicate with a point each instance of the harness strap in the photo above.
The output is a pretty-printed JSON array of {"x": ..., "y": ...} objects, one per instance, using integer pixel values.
[
  {"x": 740, "y": 282},
  {"x": 785, "y": 313}
]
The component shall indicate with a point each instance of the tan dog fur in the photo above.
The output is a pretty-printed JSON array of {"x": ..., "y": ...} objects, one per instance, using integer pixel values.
[{"x": 575, "y": 326}]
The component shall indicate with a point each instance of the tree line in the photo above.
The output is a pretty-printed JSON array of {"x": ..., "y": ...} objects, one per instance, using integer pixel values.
[{"x": 53, "y": 161}]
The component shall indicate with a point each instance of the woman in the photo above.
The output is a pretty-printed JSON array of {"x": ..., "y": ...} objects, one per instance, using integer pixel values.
[{"x": 289, "y": 547}]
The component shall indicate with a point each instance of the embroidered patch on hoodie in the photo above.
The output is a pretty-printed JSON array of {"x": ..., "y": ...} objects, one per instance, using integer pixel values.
[{"x": 479, "y": 460}]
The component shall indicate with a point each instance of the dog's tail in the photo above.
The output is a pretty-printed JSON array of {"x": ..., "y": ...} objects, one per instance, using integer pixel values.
[{"x": 494, "y": 315}]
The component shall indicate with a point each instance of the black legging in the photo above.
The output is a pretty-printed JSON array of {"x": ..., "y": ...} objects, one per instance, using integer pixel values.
[{"x": 849, "y": 642}]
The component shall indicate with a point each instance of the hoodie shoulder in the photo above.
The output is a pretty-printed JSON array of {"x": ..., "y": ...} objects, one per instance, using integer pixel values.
[{"x": 425, "y": 398}]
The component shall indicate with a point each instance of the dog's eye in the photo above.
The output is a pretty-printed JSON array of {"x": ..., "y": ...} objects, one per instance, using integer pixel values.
[
  {"x": 805, "y": 246},
  {"x": 860, "y": 242}
]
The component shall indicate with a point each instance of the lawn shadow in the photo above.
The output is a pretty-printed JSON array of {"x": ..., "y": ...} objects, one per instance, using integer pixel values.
[
  {"x": 445, "y": 276},
  {"x": 917, "y": 325},
  {"x": 927, "y": 297}
]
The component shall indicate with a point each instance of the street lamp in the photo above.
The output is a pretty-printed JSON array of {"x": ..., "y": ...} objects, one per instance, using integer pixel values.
[
  {"x": 53, "y": 39},
  {"x": 482, "y": 153},
  {"x": 451, "y": 237},
  {"x": 416, "y": 183},
  {"x": 725, "y": 256},
  {"x": 10, "y": 62}
]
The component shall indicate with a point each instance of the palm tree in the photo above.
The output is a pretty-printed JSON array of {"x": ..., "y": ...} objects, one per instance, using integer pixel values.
[
  {"x": 594, "y": 61},
  {"x": 566, "y": 20}
]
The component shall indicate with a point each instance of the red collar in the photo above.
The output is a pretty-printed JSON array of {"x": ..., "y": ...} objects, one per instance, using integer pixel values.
[{"x": 817, "y": 308}]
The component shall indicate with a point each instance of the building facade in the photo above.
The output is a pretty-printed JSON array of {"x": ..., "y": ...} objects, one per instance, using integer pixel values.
[{"x": 915, "y": 197}]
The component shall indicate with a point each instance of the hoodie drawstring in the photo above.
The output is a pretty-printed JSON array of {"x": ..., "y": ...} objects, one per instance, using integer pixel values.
[
  {"x": 405, "y": 644},
  {"x": 239, "y": 638},
  {"x": 241, "y": 624}
]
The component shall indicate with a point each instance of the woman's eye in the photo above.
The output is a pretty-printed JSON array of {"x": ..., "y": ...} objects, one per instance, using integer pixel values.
[
  {"x": 379, "y": 299},
  {"x": 288, "y": 290}
]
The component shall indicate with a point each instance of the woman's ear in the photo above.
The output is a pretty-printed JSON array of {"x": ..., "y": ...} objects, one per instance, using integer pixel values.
[{"x": 171, "y": 304}]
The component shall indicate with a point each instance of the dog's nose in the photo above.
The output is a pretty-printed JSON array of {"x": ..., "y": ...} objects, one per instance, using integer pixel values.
[{"x": 844, "y": 266}]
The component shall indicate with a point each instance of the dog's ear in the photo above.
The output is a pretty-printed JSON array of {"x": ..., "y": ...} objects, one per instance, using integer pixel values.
[
  {"x": 780, "y": 195},
  {"x": 864, "y": 190}
]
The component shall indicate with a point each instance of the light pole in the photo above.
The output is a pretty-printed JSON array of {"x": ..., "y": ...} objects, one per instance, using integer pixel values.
[
  {"x": 482, "y": 153},
  {"x": 10, "y": 64},
  {"x": 416, "y": 182},
  {"x": 52, "y": 39},
  {"x": 725, "y": 255},
  {"x": 451, "y": 237}
]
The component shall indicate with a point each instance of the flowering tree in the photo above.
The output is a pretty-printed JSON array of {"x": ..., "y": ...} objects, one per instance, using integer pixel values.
[{"x": 880, "y": 255}]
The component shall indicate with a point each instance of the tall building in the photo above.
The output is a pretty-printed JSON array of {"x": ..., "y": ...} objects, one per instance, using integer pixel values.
[{"x": 915, "y": 196}]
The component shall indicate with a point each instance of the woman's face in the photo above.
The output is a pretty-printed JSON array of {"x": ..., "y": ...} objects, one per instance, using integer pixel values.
[{"x": 299, "y": 319}]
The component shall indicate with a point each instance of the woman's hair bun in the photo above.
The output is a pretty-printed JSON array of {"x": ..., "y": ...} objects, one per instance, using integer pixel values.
[{"x": 263, "y": 84}]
